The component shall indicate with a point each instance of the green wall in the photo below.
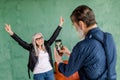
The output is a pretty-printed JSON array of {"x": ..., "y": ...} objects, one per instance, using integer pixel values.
[{"x": 31, "y": 16}]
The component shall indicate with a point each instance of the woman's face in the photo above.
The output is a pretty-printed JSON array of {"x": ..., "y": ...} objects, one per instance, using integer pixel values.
[{"x": 39, "y": 40}]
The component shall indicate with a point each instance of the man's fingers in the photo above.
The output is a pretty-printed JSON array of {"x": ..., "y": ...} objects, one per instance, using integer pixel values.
[
  {"x": 61, "y": 51},
  {"x": 55, "y": 53}
]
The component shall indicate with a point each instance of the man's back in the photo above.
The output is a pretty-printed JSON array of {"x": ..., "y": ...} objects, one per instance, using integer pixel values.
[
  {"x": 95, "y": 60},
  {"x": 95, "y": 64}
]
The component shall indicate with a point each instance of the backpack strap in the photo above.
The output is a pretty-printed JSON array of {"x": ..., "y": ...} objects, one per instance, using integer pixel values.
[{"x": 106, "y": 54}]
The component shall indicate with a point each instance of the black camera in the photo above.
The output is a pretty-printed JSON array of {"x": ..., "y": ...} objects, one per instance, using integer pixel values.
[{"x": 59, "y": 46}]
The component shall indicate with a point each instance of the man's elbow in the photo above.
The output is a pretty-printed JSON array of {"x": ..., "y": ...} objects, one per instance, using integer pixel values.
[{"x": 67, "y": 74}]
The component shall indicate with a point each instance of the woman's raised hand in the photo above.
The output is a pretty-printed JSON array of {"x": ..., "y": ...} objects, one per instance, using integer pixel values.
[
  {"x": 61, "y": 21},
  {"x": 8, "y": 29}
]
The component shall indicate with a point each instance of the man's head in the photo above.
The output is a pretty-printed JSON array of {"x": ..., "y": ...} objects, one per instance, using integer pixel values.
[{"x": 83, "y": 18}]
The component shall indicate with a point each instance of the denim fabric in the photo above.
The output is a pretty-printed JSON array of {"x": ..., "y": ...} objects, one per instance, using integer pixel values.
[{"x": 44, "y": 76}]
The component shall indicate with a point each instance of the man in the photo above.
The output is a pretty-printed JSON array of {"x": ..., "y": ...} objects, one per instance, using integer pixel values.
[{"x": 89, "y": 56}]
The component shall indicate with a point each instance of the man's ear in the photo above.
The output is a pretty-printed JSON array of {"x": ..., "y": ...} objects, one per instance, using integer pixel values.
[{"x": 81, "y": 25}]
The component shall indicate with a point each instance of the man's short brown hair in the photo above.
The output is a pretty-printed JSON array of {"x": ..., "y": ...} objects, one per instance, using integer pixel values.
[{"x": 85, "y": 14}]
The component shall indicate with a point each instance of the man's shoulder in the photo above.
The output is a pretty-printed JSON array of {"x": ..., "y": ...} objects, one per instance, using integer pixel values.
[{"x": 87, "y": 42}]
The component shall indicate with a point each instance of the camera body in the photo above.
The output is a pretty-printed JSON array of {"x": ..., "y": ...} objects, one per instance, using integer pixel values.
[{"x": 59, "y": 46}]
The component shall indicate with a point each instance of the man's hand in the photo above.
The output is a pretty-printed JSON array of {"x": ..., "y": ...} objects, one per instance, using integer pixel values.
[
  {"x": 57, "y": 57},
  {"x": 65, "y": 50}
]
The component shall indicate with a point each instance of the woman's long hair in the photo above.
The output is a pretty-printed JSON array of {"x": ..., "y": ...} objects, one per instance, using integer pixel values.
[{"x": 35, "y": 45}]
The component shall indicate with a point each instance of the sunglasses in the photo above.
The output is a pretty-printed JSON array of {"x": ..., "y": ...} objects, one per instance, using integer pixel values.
[{"x": 39, "y": 38}]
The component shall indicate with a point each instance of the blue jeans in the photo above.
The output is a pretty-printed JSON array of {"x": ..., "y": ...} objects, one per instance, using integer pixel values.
[{"x": 44, "y": 76}]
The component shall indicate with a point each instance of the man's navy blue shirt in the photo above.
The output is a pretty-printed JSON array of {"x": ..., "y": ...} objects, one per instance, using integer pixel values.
[{"x": 88, "y": 58}]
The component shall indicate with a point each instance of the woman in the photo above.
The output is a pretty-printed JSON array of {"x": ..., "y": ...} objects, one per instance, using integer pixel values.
[{"x": 40, "y": 56}]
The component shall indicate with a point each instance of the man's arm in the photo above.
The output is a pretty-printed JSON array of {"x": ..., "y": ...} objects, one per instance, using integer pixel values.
[{"x": 74, "y": 63}]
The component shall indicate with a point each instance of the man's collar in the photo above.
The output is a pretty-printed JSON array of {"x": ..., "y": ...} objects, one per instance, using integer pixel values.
[{"x": 93, "y": 30}]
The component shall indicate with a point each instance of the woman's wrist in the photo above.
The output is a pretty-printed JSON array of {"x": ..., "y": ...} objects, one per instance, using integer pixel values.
[
  {"x": 11, "y": 33},
  {"x": 60, "y": 25}
]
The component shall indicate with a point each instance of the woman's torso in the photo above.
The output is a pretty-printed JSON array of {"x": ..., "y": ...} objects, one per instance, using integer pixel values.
[{"x": 43, "y": 63}]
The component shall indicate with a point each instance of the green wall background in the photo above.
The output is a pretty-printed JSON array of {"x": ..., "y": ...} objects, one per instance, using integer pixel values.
[{"x": 31, "y": 16}]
